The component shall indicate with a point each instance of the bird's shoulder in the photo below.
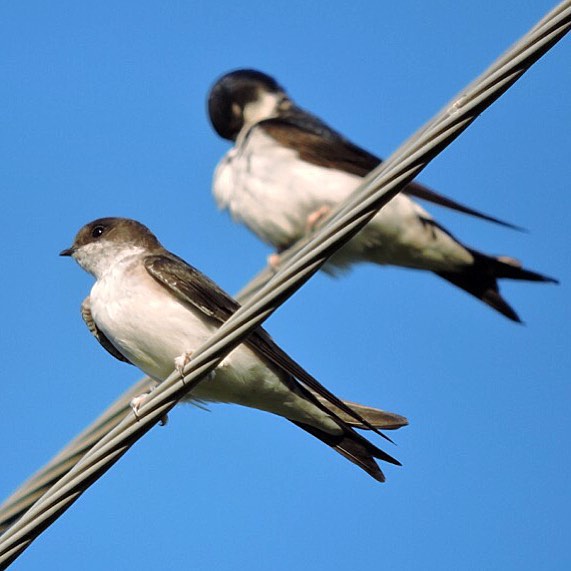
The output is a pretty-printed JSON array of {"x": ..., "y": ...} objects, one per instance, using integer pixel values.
[
  {"x": 191, "y": 286},
  {"x": 317, "y": 143}
]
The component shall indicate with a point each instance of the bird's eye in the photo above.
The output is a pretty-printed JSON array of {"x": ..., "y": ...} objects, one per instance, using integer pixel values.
[{"x": 97, "y": 231}]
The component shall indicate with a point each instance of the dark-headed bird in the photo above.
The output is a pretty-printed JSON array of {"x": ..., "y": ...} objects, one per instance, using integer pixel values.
[{"x": 288, "y": 169}]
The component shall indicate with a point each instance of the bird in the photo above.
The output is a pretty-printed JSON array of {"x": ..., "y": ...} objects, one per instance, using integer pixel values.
[
  {"x": 288, "y": 170},
  {"x": 150, "y": 308}
]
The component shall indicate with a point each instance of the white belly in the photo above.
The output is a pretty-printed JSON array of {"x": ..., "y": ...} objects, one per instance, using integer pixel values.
[
  {"x": 151, "y": 328},
  {"x": 271, "y": 191},
  {"x": 265, "y": 187}
]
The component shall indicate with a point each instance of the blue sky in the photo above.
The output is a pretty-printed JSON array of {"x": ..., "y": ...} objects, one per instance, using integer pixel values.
[{"x": 103, "y": 113}]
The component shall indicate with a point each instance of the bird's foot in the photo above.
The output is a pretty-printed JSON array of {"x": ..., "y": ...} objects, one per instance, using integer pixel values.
[
  {"x": 181, "y": 362},
  {"x": 137, "y": 402},
  {"x": 315, "y": 218},
  {"x": 274, "y": 261}
]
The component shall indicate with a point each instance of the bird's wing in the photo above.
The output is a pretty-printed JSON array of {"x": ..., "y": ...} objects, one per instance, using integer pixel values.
[
  {"x": 192, "y": 287},
  {"x": 425, "y": 193},
  {"x": 318, "y": 144},
  {"x": 97, "y": 333}
]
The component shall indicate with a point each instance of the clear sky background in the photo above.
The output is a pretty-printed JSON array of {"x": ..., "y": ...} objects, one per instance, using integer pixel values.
[{"x": 102, "y": 113}]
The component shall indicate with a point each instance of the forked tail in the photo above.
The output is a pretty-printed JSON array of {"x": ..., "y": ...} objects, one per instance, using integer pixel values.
[{"x": 480, "y": 280}]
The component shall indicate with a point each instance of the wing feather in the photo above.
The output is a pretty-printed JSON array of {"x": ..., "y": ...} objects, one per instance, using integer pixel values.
[
  {"x": 318, "y": 144},
  {"x": 192, "y": 287}
]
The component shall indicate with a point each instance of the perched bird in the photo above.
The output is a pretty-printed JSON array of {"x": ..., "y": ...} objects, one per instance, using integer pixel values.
[
  {"x": 288, "y": 170},
  {"x": 151, "y": 309}
]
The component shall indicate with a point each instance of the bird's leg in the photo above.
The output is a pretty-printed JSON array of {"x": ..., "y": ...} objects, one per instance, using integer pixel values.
[
  {"x": 313, "y": 220},
  {"x": 274, "y": 260},
  {"x": 181, "y": 362},
  {"x": 316, "y": 217},
  {"x": 137, "y": 402}
]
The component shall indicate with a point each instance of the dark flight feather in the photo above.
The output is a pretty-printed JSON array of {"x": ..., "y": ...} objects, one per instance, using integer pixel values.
[
  {"x": 197, "y": 290},
  {"x": 318, "y": 144},
  {"x": 193, "y": 287}
]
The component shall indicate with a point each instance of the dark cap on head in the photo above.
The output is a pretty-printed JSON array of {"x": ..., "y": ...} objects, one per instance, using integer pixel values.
[
  {"x": 113, "y": 229},
  {"x": 231, "y": 93}
]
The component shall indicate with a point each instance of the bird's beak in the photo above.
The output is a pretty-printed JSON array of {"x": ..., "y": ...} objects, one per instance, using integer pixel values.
[{"x": 67, "y": 252}]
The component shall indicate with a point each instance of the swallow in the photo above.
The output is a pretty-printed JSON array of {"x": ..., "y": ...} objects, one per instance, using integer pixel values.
[
  {"x": 151, "y": 309},
  {"x": 288, "y": 170}
]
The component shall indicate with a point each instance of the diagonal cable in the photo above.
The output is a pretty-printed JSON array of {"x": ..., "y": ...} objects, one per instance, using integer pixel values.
[
  {"x": 377, "y": 189},
  {"x": 35, "y": 486}
]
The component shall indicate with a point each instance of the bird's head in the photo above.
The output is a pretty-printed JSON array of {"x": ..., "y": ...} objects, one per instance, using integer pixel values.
[
  {"x": 103, "y": 242},
  {"x": 243, "y": 97}
]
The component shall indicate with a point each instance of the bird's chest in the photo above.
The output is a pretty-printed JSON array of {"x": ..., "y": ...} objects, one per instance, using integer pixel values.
[
  {"x": 272, "y": 191},
  {"x": 143, "y": 321},
  {"x": 151, "y": 328}
]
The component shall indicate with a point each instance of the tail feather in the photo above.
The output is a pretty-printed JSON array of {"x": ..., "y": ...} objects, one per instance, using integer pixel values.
[
  {"x": 354, "y": 447},
  {"x": 375, "y": 416},
  {"x": 511, "y": 269},
  {"x": 480, "y": 280}
]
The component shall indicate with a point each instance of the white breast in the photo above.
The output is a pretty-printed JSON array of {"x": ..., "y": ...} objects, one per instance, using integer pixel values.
[
  {"x": 148, "y": 326},
  {"x": 151, "y": 328},
  {"x": 266, "y": 187},
  {"x": 269, "y": 189}
]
